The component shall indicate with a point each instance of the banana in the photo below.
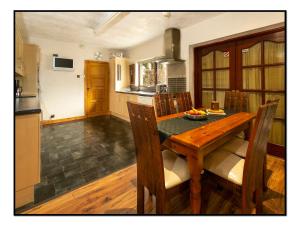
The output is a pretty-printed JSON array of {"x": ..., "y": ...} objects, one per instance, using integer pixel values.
[{"x": 198, "y": 111}]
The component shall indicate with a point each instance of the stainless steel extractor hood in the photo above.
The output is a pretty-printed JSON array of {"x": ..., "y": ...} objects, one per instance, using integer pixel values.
[{"x": 171, "y": 48}]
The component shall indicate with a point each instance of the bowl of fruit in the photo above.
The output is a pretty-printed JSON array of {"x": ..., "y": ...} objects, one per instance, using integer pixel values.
[{"x": 195, "y": 114}]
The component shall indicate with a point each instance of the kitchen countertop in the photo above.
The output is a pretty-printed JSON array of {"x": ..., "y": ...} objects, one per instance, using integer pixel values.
[
  {"x": 139, "y": 93},
  {"x": 27, "y": 105}
]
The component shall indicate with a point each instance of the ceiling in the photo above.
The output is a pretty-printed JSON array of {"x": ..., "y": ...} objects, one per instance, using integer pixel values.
[{"x": 107, "y": 29}]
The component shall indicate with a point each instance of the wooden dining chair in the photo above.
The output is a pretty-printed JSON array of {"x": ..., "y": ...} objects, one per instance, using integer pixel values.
[
  {"x": 239, "y": 146},
  {"x": 162, "y": 172},
  {"x": 184, "y": 101},
  {"x": 236, "y": 101},
  {"x": 245, "y": 174},
  {"x": 164, "y": 104}
]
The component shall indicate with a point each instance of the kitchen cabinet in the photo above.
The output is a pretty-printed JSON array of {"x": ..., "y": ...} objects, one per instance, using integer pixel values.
[
  {"x": 31, "y": 61},
  {"x": 27, "y": 157},
  {"x": 120, "y": 69},
  {"x": 119, "y": 104},
  {"x": 19, "y": 59},
  {"x": 118, "y": 100}
]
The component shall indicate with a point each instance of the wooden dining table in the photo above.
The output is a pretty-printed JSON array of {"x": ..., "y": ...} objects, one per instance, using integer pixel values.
[{"x": 196, "y": 143}]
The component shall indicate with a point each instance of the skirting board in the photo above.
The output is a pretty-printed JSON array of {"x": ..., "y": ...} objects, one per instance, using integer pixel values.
[
  {"x": 120, "y": 116},
  {"x": 63, "y": 120}
]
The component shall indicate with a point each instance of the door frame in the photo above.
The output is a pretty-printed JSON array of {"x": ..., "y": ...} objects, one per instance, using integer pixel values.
[{"x": 85, "y": 84}]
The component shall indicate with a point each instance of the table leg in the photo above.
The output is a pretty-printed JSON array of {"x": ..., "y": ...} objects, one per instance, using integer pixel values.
[
  {"x": 195, "y": 166},
  {"x": 248, "y": 130}
]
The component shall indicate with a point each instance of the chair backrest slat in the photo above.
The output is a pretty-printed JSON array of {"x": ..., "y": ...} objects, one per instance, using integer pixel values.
[
  {"x": 236, "y": 101},
  {"x": 164, "y": 104},
  {"x": 148, "y": 153},
  {"x": 184, "y": 101},
  {"x": 256, "y": 152}
]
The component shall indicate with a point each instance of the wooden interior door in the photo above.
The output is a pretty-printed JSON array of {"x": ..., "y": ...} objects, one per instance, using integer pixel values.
[
  {"x": 96, "y": 88},
  {"x": 256, "y": 65},
  {"x": 216, "y": 68},
  {"x": 261, "y": 73}
]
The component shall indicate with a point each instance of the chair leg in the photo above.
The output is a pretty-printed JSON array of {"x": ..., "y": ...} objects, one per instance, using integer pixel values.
[
  {"x": 140, "y": 198},
  {"x": 205, "y": 193},
  {"x": 265, "y": 182},
  {"x": 160, "y": 203},
  {"x": 258, "y": 199}
]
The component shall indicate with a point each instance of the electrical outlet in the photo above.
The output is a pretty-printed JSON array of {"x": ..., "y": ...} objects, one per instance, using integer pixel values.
[{"x": 52, "y": 116}]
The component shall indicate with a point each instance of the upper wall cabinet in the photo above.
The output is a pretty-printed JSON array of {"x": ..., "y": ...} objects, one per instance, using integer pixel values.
[
  {"x": 19, "y": 45},
  {"x": 121, "y": 68}
]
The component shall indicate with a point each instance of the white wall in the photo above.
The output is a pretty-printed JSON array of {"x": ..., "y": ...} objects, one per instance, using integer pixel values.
[
  {"x": 61, "y": 92},
  {"x": 226, "y": 24},
  {"x": 152, "y": 48}
]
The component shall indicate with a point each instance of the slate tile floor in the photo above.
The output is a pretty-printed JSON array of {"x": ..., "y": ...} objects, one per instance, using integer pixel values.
[{"x": 75, "y": 153}]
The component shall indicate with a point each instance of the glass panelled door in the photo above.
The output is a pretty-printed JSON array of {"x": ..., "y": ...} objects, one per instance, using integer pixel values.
[
  {"x": 217, "y": 66},
  {"x": 255, "y": 65},
  {"x": 261, "y": 72},
  {"x": 274, "y": 71}
]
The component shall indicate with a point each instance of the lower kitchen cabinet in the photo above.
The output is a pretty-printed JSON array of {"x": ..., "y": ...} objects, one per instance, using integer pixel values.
[
  {"x": 27, "y": 157},
  {"x": 118, "y": 104}
]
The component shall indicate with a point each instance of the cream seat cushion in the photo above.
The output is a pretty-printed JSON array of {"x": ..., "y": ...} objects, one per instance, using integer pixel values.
[
  {"x": 175, "y": 169},
  {"x": 226, "y": 165},
  {"x": 241, "y": 135},
  {"x": 236, "y": 146}
]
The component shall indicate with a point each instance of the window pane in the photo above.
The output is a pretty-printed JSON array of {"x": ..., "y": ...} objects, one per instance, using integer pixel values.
[
  {"x": 222, "y": 59},
  {"x": 255, "y": 101},
  {"x": 161, "y": 74},
  {"x": 252, "y": 55},
  {"x": 207, "y": 79},
  {"x": 222, "y": 79},
  {"x": 274, "y": 78},
  {"x": 280, "y": 112},
  {"x": 274, "y": 52},
  {"x": 147, "y": 72},
  {"x": 252, "y": 78},
  {"x": 207, "y": 61},
  {"x": 220, "y": 97},
  {"x": 207, "y": 97},
  {"x": 277, "y": 134}
]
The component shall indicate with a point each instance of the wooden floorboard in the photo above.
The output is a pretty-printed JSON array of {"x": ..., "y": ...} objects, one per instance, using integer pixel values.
[{"x": 116, "y": 194}]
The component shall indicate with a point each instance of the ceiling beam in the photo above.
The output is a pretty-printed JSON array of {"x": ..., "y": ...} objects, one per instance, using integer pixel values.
[{"x": 117, "y": 17}]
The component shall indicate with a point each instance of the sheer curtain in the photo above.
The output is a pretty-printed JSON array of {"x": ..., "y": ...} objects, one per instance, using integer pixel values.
[
  {"x": 207, "y": 97},
  {"x": 275, "y": 80}
]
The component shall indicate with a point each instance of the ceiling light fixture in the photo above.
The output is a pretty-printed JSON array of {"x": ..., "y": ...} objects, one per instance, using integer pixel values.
[{"x": 98, "y": 55}]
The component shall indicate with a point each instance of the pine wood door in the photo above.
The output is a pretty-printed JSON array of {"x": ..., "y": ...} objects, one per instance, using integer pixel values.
[{"x": 96, "y": 88}]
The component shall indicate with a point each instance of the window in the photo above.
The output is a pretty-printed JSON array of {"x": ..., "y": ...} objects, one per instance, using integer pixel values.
[{"x": 151, "y": 74}]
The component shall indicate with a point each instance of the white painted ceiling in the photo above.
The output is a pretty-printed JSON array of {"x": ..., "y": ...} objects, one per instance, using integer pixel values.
[{"x": 133, "y": 29}]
